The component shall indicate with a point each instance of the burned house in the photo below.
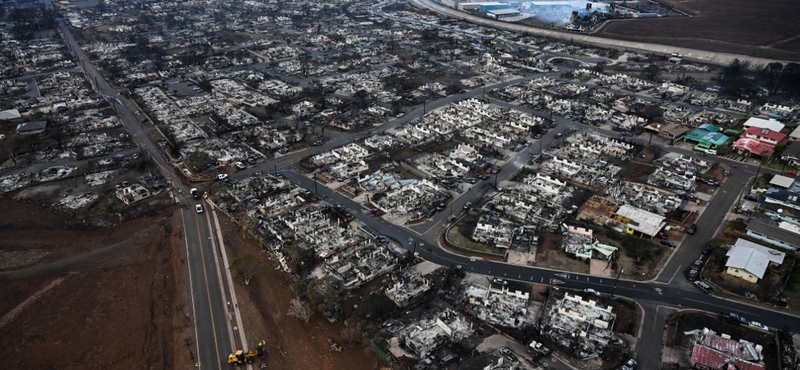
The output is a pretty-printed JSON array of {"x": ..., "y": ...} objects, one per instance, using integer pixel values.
[
  {"x": 502, "y": 303},
  {"x": 581, "y": 325}
]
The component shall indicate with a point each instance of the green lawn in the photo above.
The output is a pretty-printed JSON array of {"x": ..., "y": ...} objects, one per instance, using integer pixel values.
[{"x": 455, "y": 237}]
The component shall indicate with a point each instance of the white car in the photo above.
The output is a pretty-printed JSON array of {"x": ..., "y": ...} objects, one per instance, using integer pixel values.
[
  {"x": 759, "y": 325},
  {"x": 711, "y": 151},
  {"x": 592, "y": 291},
  {"x": 198, "y": 208},
  {"x": 222, "y": 176}
]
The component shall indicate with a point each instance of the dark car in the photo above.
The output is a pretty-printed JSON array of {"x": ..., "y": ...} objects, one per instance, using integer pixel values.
[
  {"x": 668, "y": 243},
  {"x": 692, "y": 229}
]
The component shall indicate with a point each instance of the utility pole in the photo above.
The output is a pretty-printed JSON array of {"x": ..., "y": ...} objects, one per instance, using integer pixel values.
[
  {"x": 616, "y": 281},
  {"x": 755, "y": 180}
]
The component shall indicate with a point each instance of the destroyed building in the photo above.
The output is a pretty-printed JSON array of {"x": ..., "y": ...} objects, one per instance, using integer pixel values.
[
  {"x": 493, "y": 231},
  {"x": 404, "y": 288},
  {"x": 360, "y": 264},
  {"x": 712, "y": 352},
  {"x": 580, "y": 242},
  {"x": 579, "y": 324},
  {"x": 645, "y": 197},
  {"x": 427, "y": 335},
  {"x": 501, "y": 303}
]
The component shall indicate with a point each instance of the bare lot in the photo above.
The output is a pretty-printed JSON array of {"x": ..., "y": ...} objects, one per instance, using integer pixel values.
[
  {"x": 105, "y": 298},
  {"x": 759, "y": 28}
]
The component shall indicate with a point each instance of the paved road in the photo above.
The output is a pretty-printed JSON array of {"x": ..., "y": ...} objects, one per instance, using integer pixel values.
[
  {"x": 657, "y": 298},
  {"x": 712, "y": 57},
  {"x": 213, "y": 336}
]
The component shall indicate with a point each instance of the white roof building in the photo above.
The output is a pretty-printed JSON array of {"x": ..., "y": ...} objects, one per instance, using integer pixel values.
[
  {"x": 753, "y": 257},
  {"x": 10, "y": 114},
  {"x": 641, "y": 221},
  {"x": 771, "y": 124},
  {"x": 782, "y": 181},
  {"x": 795, "y": 135}
]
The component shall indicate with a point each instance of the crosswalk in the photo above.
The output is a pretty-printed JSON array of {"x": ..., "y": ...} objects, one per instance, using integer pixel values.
[{"x": 736, "y": 157}]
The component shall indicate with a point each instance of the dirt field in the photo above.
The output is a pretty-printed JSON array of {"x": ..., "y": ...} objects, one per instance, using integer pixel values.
[
  {"x": 291, "y": 344},
  {"x": 96, "y": 299},
  {"x": 759, "y": 28}
]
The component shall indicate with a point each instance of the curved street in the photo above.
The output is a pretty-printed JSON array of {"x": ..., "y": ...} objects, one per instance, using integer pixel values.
[{"x": 712, "y": 57}]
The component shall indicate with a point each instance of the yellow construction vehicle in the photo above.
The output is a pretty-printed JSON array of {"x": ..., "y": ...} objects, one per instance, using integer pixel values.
[{"x": 241, "y": 357}]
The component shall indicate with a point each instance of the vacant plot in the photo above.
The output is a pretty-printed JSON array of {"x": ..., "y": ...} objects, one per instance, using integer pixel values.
[
  {"x": 104, "y": 298},
  {"x": 758, "y": 28}
]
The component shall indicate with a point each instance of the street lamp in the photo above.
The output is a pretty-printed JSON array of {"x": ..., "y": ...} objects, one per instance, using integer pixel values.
[{"x": 616, "y": 281}]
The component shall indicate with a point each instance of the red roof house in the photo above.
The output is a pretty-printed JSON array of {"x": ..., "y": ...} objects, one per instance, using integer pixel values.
[{"x": 759, "y": 141}]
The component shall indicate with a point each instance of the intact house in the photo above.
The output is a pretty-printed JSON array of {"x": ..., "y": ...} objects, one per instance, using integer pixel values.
[
  {"x": 782, "y": 181},
  {"x": 772, "y": 124},
  {"x": 782, "y": 235},
  {"x": 782, "y": 204},
  {"x": 759, "y": 141},
  {"x": 707, "y": 136},
  {"x": 749, "y": 261},
  {"x": 639, "y": 222},
  {"x": 672, "y": 131}
]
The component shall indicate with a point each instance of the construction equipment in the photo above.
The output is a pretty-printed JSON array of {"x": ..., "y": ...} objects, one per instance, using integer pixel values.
[{"x": 241, "y": 357}]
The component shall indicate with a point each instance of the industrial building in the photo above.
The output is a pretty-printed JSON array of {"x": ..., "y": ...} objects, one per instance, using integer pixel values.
[
  {"x": 503, "y": 13},
  {"x": 483, "y": 6}
]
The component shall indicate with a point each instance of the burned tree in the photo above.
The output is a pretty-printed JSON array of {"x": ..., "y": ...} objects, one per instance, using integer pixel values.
[{"x": 248, "y": 266}]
